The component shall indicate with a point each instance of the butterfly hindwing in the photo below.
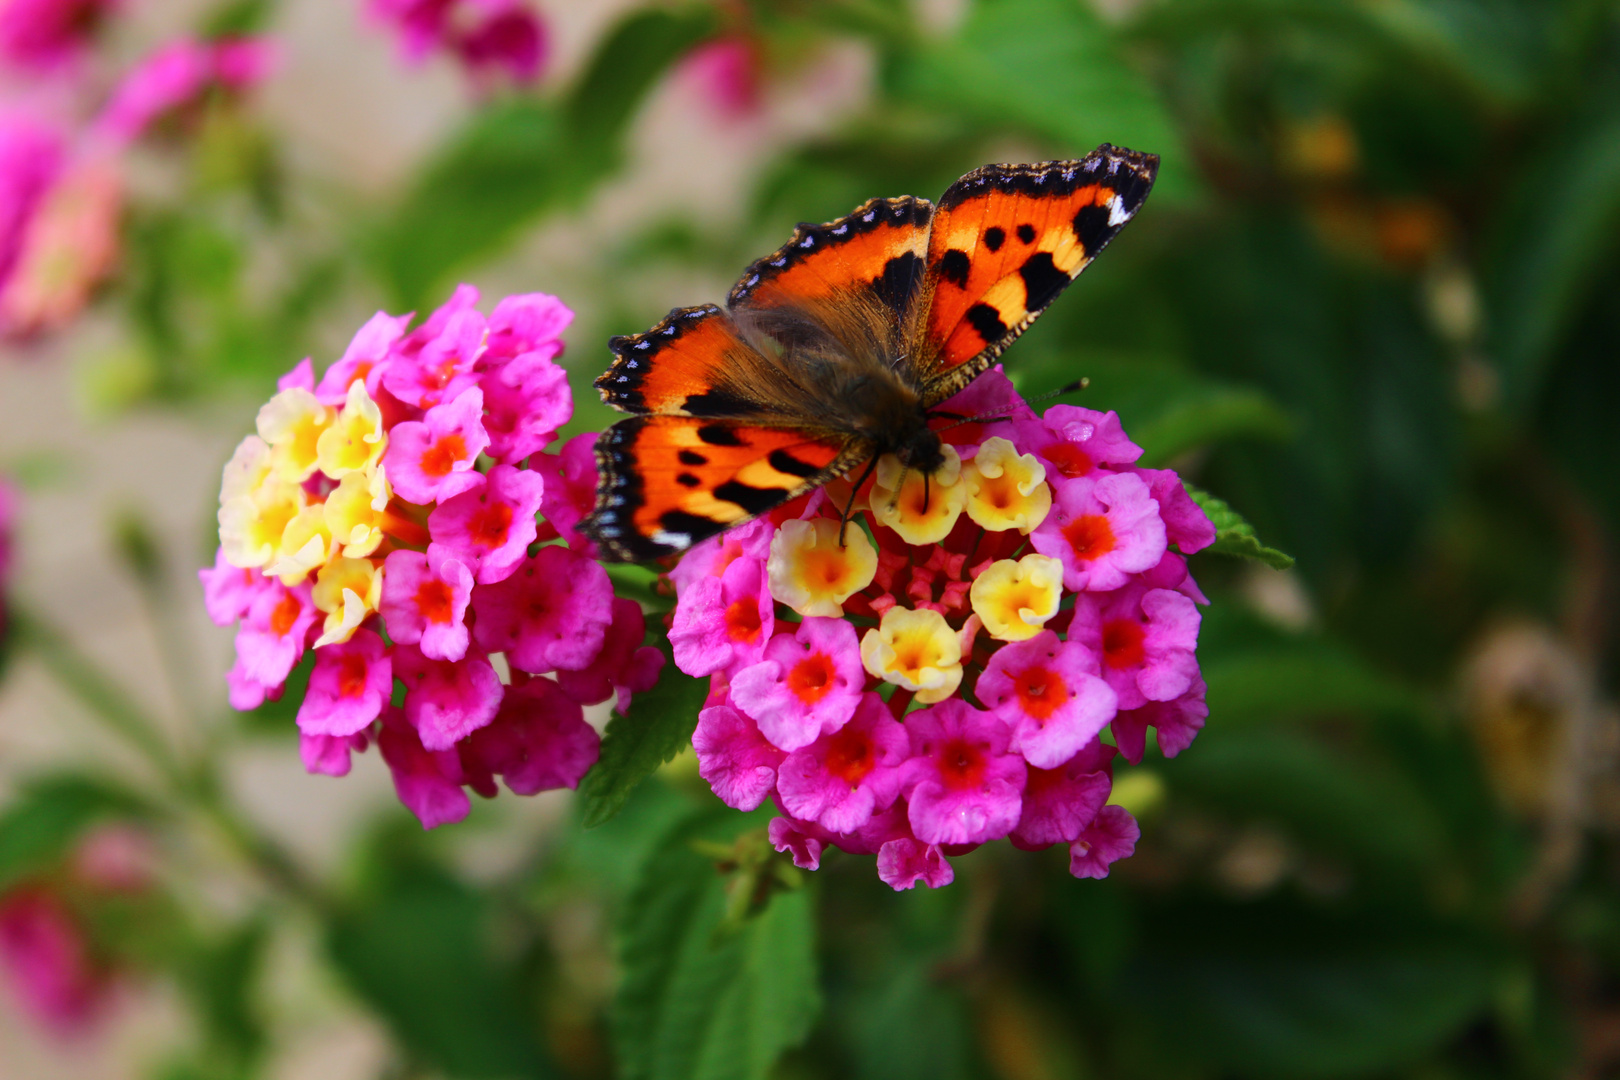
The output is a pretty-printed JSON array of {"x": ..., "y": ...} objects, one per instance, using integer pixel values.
[
  {"x": 1006, "y": 239},
  {"x": 667, "y": 482}
]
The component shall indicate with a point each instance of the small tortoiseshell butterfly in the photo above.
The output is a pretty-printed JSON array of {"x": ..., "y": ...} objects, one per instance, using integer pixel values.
[{"x": 832, "y": 351}]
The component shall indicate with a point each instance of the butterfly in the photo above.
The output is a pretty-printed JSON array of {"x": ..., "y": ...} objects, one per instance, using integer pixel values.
[{"x": 832, "y": 351}]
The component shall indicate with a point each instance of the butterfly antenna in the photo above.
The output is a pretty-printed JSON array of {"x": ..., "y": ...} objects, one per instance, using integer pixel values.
[
  {"x": 1078, "y": 384},
  {"x": 843, "y": 519}
]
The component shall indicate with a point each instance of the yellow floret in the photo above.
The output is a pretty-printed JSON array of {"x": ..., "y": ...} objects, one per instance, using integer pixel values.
[
  {"x": 921, "y": 509},
  {"x": 347, "y": 590},
  {"x": 1015, "y": 599},
  {"x": 1006, "y": 489},
  {"x": 811, "y": 574},
  {"x": 354, "y": 512},
  {"x": 292, "y": 423},
  {"x": 355, "y": 442},
  {"x": 916, "y": 650},
  {"x": 249, "y": 465},
  {"x": 254, "y": 506},
  {"x": 306, "y": 543}
]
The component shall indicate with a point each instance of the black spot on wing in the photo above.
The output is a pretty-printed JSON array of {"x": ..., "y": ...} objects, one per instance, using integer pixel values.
[
  {"x": 1026, "y": 233},
  {"x": 954, "y": 266},
  {"x": 719, "y": 435},
  {"x": 784, "y": 462},
  {"x": 752, "y": 499},
  {"x": 686, "y": 479},
  {"x": 987, "y": 321},
  {"x": 895, "y": 286},
  {"x": 691, "y": 457},
  {"x": 1091, "y": 228},
  {"x": 1042, "y": 280},
  {"x": 693, "y": 526},
  {"x": 715, "y": 403},
  {"x": 994, "y": 237}
]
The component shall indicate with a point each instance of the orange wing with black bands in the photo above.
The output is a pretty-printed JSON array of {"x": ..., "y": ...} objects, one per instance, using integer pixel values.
[{"x": 1006, "y": 240}]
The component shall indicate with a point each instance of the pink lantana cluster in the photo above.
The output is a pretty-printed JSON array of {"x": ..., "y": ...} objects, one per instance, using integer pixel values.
[
  {"x": 944, "y": 676},
  {"x": 488, "y": 37},
  {"x": 44, "y": 35},
  {"x": 399, "y": 495}
]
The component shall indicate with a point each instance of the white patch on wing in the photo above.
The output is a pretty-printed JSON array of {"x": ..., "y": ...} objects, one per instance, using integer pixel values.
[{"x": 1117, "y": 214}]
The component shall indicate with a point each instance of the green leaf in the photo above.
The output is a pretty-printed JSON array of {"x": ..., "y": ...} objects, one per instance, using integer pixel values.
[
  {"x": 50, "y": 814},
  {"x": 697, "y": 1003},
  {"x": 1051, "y": 67},
  {"x": 1210, "y": 414},
  {"x": 220, "y": 981},
  {"x": 422, "y": 953},
  {"x": 659, "y": 725},
  {"x": 1235, "y": 536},
  {"x": 524, "y": 158}
]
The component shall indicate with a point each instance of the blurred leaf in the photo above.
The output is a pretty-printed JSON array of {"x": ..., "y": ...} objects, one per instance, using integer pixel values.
[
  {"x": 697, "y": 1002},
  {"x": 220, "y": 981},
  {"x": 422, "y": 953},
  {"x": 236, "y": 18},
  {"x": 1051, "y": 67},
  {"x": 659, "y": 725},
  {"x": 50, "y": 814},
  {"x": 1213, "y": 414},
  {"x": 522, "y": 158},
  {"x": 1234, "y": 536},
  {"x": 1305, "y": 680},
  {"x": 1276, "y": 990},
  {"x": 909, "y": 1027}
]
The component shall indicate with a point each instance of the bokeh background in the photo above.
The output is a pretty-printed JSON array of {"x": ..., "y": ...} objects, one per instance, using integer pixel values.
[{"x": 1373, "y": 302}]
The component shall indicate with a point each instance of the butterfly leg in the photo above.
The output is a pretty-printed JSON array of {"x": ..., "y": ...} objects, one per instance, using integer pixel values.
[{"x": 843, "y": 519}]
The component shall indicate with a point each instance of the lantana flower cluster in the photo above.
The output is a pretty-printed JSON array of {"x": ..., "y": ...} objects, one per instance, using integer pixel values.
[
  {"x": 398, "y": 495},
  {"x": 944, "y": 677},
  {"x": 488, "y": 37}
]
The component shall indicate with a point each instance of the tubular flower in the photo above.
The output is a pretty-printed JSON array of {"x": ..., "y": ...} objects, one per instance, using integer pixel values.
[
  {"x": 365, "y": 523},
  {"x": 967, "y": 665}
]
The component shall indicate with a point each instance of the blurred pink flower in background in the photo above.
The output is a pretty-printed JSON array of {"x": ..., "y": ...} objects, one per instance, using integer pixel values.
[
  {"x": 46, "y": 961},
  {"x": 31, "y": 156},
  {"x": 179, "y": 75},
  {"x": 489, "y": 37},
  {"x": 38, "y": 35},
  {"x": 69, "y": 245},
  {"x": 727, "y": 71}
]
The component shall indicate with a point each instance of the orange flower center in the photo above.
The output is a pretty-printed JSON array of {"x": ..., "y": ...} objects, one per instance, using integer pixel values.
[
  {"x": 434, "y": 601},
  {"x": 742, "y": 620},
  {"x": 849, "y": 756},
  {"x": 1040, "y": 692},
  {"x": 1068, "y": 459},
  {"x": 442, "y": 456},
  {"x": 352, "y": 675},
  {"x": 1090, "y": 536},
  {"x": 811, "y": 677},
  {"x": 962, "y": 765},
  {"x": 1122, "y": 643},
  {"x": 286, "y": 613},
  {"x": 490, "y": 526}
]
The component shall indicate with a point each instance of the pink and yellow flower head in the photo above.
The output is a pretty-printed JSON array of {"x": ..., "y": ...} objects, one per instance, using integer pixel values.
[
  {"x": 946, "y": 675},
  {"x": 368, "y": 503}
]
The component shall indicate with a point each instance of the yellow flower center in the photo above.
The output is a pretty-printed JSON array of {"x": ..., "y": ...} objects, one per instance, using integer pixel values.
[
  {"x": 916, "y": 650},
  {"x": 1015, "y": 599}
]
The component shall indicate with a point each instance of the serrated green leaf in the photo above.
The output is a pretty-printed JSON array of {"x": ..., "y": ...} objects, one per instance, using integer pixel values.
[
  {"x": 50, "y": 814},
  {"x": 700, "y": 1004},
  {"x": 1234, "y": 535},
  {"x": 660, "y": 723}
]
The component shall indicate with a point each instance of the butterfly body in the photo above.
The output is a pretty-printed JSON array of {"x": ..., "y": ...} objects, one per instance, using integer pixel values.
[{"x": 834, "y": 349}]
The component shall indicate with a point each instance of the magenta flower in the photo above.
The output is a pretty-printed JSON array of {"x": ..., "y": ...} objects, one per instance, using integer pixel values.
[
  {"x": 734, "y": 757},
  {"x": 624, "y": 667},
  {"x": 489, "y": 527},
  {"x": 1073, "y": 442},
  {"x": 570, "y": 486},
  {"x": 39, "y": 35},
  {"x": 32, "y": 156},
  {"x": 270, "y": 642},
  {"x": 1146, "y": 638},
  {"x": 1111, "y": 837},
  {"x": 177, "y": 76},
  {"x": 551, "y": 614},
  {"x": 1177, "y": 723},
  {"x": 794, "y": 838},
  {"x": 1185, "y": 522},
  {"x": 1059, "y": 803},
  {"x": 443, "y": 369},
  {"x": 329, "y": 755},
  {"x": 527, "y": 323},
  {"x": 348, "y": 687},
  {"x": 807, "y": 685},
  {"x": 527, "y": 399},
  {"x": 1048, "y": 692},
  {"x": 445, "y": 702},
  {"x": 965, "y": 788},
  {"x": 727, "y": 71},
  {"x": 845, "y": 776},
  {"x": 715, "y": 555},
  {"x": 427, "y": 782},
  {"x": 538, "y": 742},
  {"x": 228, "y": 592},
  {"x": 724, "y": 623},
  {"x": 424, "y": 601},
  {"x": 1102, "y": 530},
  {"x": 46, "y": 958},
  {"x": 432, "y": 459},
  {"x": 487, "y": 36},
  {"x": 902, "y": 863},
  {"x": 366, "y": 358}
]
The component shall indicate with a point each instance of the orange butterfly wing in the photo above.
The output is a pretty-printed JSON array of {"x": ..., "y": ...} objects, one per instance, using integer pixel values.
[{"x": 1006, "y": 239}]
